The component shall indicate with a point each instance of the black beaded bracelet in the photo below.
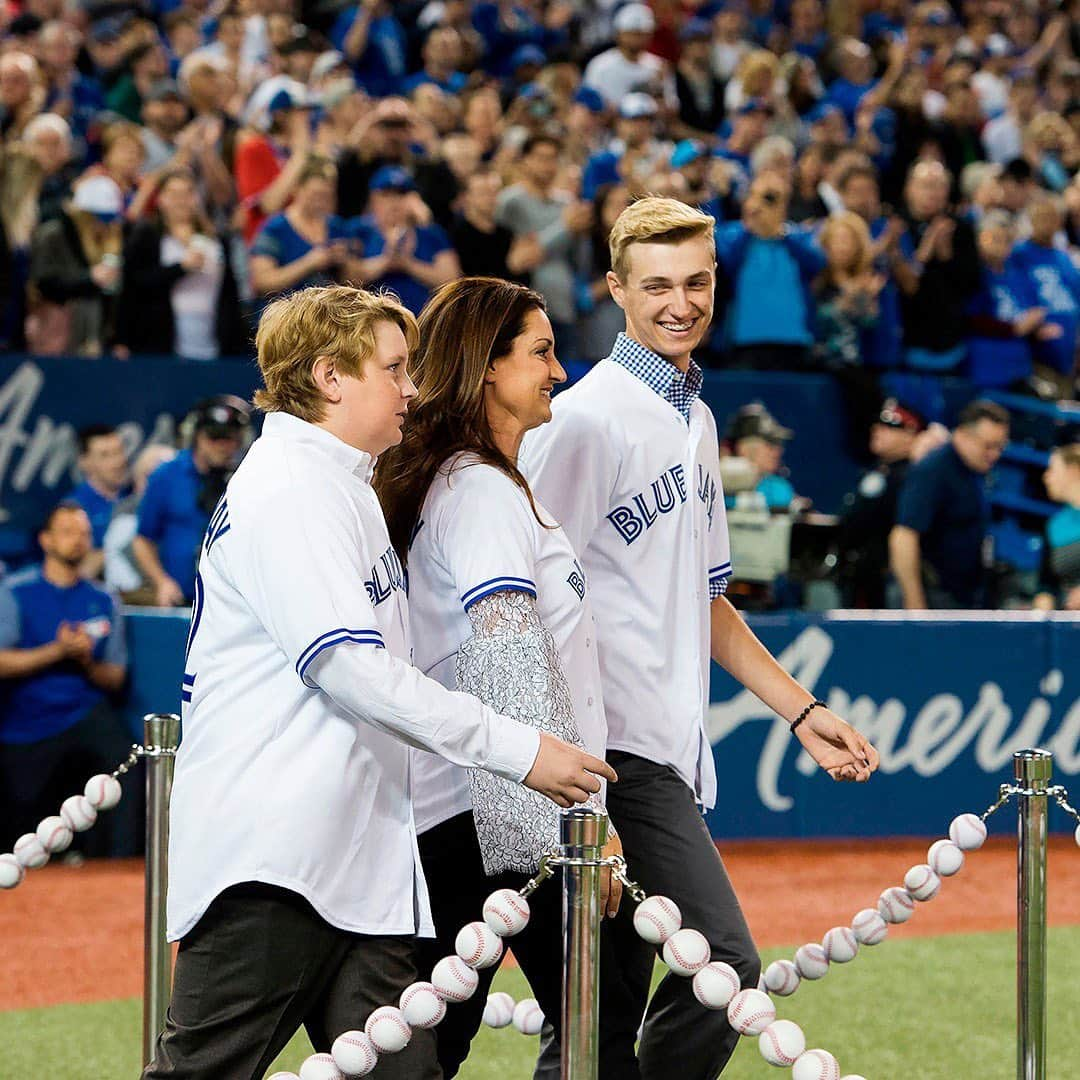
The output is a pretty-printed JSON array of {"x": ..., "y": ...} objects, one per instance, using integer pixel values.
[{"x": 805, "y": 713}]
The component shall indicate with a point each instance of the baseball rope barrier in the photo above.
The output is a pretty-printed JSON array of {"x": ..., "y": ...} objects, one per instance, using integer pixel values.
[{"x": 583, "y": 832}]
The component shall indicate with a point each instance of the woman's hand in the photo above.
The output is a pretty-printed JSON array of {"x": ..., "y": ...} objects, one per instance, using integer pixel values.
[
  {"x": 843, "y": 752},
  {"x": 610, "y": 887}
]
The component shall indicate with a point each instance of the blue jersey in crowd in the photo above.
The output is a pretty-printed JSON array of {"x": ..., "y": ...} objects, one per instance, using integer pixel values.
[
  {"x": 382, "y": 65},
  {"x": 171, "y": 517},
  {"x": 943, "y": 501},
  {"x": 49, "y": 702},
  {"x": 1056, "y": 281},
  {"x": 1003, "y": 296},
  {"x": 430, "y": 241},
  {"x": 98, "y": 507},
  {"x": 278, "y": 240}
]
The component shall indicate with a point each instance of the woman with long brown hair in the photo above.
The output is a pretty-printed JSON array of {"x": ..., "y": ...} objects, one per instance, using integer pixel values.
[{"x": 498, "y": 607}]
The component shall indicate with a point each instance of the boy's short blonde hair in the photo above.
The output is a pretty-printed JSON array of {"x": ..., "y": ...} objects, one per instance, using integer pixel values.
[
  {"x": 656, "y": 220},
  {"x": 329, "y": 320}
]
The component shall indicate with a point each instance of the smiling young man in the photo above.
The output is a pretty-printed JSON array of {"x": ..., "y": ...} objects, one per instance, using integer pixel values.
[
  {"x": 630, "y": 466},
  {"x": 295, "y": 886}
]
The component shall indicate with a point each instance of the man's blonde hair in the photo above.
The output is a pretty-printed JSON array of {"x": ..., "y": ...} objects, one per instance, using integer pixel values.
[
  {"x": 656, "y": 220},
  {"x": 330, "y": 320}
]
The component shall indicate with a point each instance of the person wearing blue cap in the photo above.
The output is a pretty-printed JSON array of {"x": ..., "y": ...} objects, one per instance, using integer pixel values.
[
  {"x": 374, "y": 41},
  {"x": 636, "y": 152},
  {"x": 396, "y": 253}
]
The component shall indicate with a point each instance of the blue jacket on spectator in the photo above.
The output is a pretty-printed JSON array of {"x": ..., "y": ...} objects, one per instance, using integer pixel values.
[
  {"x": 453, "y": 85},
  {"x": 171, "y": 517},
  {"x": 98, "y": 507},
  {"x": 771, "y": 279},
  {"x": 996, "y": 356},
  {"x": 278, "y": 240},
  {"x": 1056, "y": 281},
  {"x": 49, "y": 702},
  {"x": 382, "y": 66},
  {"x": 430, "y": 241},
  {"x": 501, "y": 42},
  {"x": 882, "y": 343}
]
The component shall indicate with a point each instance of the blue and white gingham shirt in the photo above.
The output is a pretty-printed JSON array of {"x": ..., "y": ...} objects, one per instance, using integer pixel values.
[{"x": 679, "y": 389}]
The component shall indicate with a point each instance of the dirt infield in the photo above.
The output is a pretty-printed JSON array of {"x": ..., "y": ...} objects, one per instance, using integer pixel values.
[{"x": 75, "y": 934}]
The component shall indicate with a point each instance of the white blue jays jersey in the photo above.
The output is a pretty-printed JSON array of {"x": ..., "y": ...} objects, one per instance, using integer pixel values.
[
  {"x": 478, "y": 535},
  {"x": 636, "y": 486},
  {"x": 299, "y": 699}
]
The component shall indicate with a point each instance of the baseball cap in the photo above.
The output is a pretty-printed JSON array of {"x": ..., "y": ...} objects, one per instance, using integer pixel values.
[
  {"x": 222, "y": 417},
  {"x": 392, "y": 178},
  {"x": 896, "y": 415},
  {"x": 527, "y": 54},
  {"x": 325, "y": 62},
  {"x": 755, "y": 421},
  {"x": 687, "y": 151},
  {"x": 636, "y": 105},
  {"x": 592, "y": 99},
  {"x": 100, "y": 196},
  {"x": 634, "y": 17}
]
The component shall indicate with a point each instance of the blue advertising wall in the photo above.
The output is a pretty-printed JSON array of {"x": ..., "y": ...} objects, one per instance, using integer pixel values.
[
  {"x": 946, "y": 702},
  {"x": 44, "y": 401}
]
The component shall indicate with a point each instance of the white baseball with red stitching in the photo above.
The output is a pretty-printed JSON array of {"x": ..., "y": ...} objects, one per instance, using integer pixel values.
[
  {"x": 421, "y": 1005},
  {"x": 528, "y": 1016},
  {"x": 11, "y": 872},
  {"x": 869, "y": 927},
  {"x": 968, "y": 832},
  {"x": 478, "y": 945},
  {"x": 816, "y": 1064},
  {"x": 656, "y": 919},
  {"x": 895, "y": 905},
  {"x": 387, "y": 1030},
  {"x": 506, "y": 912},
  {"x": 782, "y": 1042},
  {"x": 751, "y": 1012},
  {"x": 354, "y": 1053},
  {"x": 922, "y": 882},
  {"x": 944, "y": 858},
  {"x": 78, "y": 812},
  {"x": 811, "y": 961},
  {"x": 716, "y": 984},
  {"x": 454, "y": 979},
  {"x": 320, "y": 1067},
  {"x": 840, "y": 945},
  {"x": 54, "y": 833},
  {"x": 782, "y": 978},
  {"x": 687, "y": 951},
  {"x": 30, "y": 851},
  {"x": 499, "y": 1010},
  {"x": 103, "y": 791}
]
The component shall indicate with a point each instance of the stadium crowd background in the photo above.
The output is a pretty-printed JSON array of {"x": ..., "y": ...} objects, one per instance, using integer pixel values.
[{"x": 897, "y": 203}]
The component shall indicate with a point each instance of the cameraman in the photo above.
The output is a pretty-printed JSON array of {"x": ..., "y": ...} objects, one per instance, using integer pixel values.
[{"x": 181, "y": 496}]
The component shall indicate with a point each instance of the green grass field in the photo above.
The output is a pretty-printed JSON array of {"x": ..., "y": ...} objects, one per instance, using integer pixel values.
[{"x": 936, "y": 1009}]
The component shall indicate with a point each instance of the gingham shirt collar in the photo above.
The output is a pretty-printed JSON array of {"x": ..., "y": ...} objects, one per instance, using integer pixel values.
[{"x": 680, "y": 390}]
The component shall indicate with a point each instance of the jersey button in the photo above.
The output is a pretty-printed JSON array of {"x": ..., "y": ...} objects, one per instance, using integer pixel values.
[
  {"x": 589, "y": 703},
  {"x": 588, "y": 643}
]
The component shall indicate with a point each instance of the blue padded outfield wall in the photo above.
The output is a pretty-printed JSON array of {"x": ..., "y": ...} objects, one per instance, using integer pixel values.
[{"x": 946, "y": 701}]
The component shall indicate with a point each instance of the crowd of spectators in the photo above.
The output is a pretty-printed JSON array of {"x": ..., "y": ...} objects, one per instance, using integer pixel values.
[{"x": 895, "y": 182}]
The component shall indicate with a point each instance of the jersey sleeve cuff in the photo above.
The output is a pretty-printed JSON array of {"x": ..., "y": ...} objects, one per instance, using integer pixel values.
[
  {"x": 329, "y": 640},
  {"x": 494, "y": 585},
  {"x": 719, "y": 576},
  {"x": 515, "y": 749}
]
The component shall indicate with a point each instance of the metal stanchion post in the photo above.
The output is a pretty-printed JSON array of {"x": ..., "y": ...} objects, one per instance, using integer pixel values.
[
  {"x": 1033, "y": 772},
  {"x": 583, "y": 833},
  {"x": 161, "y": 736}
]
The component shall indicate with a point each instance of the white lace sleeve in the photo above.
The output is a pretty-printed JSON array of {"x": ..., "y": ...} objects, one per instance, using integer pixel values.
[{"x": 511, "y": 664}]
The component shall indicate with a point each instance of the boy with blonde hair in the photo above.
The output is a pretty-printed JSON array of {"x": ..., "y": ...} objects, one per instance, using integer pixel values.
[
  {"x": 295, "y": 888},
  {"x": 630, "y": 465}
]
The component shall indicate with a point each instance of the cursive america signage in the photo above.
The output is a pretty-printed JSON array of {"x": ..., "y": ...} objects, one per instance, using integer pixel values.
[{"x": 945, "y": 701}]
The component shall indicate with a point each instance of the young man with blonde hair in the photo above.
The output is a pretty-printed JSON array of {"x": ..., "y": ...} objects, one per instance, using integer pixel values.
[
  {"x": 295, "y": 888},
  {"x": 630, "y": 465}
]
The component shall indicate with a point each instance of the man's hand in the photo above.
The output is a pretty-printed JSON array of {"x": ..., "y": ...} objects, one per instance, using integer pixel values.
[
  {"x": 611, "y": 888},
  {"x": 75, "y": 643},
  {"x": 167, "y": 593},
  {"x": 565, "y": 774},
  {"x": 843, "y": 752}
]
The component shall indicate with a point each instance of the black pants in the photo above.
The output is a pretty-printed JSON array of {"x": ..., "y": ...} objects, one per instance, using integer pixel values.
[
  {"x": 261, "y": 962},
  {"x": 458, "y": 886},
  {"x": 35, "y": 778},
  {"x": 669, "y": 852}
]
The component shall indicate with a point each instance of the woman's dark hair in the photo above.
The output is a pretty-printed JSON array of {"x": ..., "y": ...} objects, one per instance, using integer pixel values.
[{"x": 464, "y": 328}]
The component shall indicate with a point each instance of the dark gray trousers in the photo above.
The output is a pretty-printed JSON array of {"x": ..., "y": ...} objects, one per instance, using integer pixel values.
[
  {"x": 260, "y": 963},
  {"x": 669, "y": 851}
]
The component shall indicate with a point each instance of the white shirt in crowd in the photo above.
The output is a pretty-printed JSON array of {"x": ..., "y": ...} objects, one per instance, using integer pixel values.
[
  {"x": 614, "y": 76},
  {"x": 195, "y": 296},
  {"x": 636, "y": 486},
  {"x": 478, "y": 536},
  {"x": 298, "y": 693}
]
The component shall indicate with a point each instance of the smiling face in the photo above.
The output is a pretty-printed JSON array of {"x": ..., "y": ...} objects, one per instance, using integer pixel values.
[
  {"x": 667, "y": 296},
  {"x": 517, "y": 389},
  {"x": 371, "y": 409}
]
